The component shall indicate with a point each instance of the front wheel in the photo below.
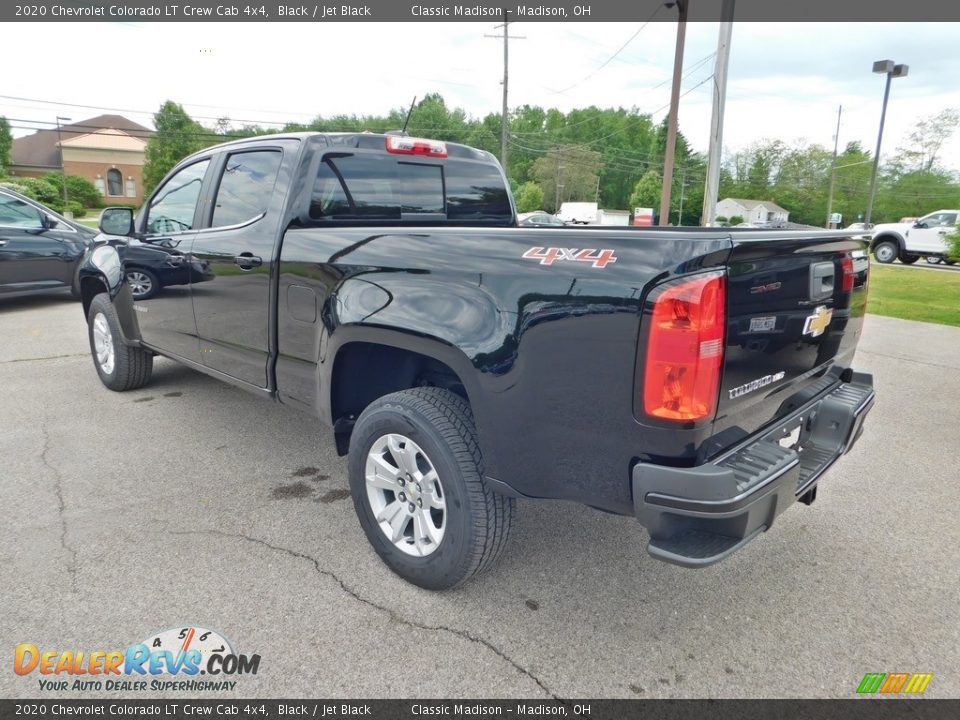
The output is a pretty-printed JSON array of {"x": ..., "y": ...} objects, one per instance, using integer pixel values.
[
  {"x": 933, "y": 259},
  {"x": 119, "y": 366},
  {"x": 416, "y": 477},
  {"x": 886, "y": 252}
]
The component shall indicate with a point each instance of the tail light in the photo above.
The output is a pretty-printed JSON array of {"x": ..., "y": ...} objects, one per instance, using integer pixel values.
[
  {"x": 846, "y": 266},
  {"x": 403, "y": 145},
  {"x": 685, "y": 348}
]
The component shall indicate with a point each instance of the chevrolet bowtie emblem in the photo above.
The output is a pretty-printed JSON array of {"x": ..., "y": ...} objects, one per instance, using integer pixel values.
[{"x": 815, "y": 324}]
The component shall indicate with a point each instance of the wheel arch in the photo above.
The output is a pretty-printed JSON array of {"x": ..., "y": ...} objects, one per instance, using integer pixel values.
[
  {"x": 369, "y": 363},
  {"x": 889, "y": 237}
]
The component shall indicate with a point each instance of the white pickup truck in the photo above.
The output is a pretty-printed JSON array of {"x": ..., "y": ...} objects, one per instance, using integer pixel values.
[{"x": 909, "y": 241}]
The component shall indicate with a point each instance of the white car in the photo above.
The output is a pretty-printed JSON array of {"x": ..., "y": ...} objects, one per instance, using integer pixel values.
[{"x": 909, "y": 241}]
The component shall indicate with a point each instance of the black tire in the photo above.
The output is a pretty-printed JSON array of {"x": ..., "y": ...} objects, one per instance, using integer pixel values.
[
  {"x": 933, "y": 259},
  {"x": 132, "y": 366},
  {"x": 949, "y": 261},
  {"x": 909, "y": 259},
  {"x": 886, "y": 252},
  {"x": 149, "y": 281},
  {"x": 478, "y": 521}
]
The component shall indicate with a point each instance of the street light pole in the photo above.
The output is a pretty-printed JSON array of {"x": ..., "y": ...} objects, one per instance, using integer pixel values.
[
  {"x": 63, "y": 170},
  {"x": 892, "y": 70}
]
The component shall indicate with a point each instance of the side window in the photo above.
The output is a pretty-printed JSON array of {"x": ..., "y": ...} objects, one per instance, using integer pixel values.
[
  {"x": 246, "y": 186},
  {"x": 18, "y": 214},
  {"x": 940, "y": 219},
  {"x": 172, "y": 207}
]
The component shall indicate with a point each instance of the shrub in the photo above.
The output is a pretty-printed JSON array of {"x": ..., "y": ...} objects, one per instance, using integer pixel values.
[
  {"x": 41, "y": 190},
  {"x": 76, "y": 208},
  {"x": 735, "y": 219},
  {"x": 78, "y": 188},
  {"x": 953, "y": 245}
]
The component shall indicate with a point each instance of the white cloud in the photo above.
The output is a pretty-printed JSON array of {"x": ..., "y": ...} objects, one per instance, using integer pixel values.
[{"x": 785, "y": 81}]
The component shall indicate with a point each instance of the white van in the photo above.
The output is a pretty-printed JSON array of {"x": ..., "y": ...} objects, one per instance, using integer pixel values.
[{"x": 578, "y": 212}]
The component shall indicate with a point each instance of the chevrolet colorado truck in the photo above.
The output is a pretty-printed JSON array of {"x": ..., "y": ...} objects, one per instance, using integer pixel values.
[
  {"x": 698, "y": 379},
  {"x": 909, "y": 241}
]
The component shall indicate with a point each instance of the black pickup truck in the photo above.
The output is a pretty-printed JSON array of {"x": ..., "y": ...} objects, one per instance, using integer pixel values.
[{"x": 697, "y": 378}]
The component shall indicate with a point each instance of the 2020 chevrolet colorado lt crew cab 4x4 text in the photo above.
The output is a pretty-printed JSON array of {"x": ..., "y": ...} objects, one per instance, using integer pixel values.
[{"x": 698, "y": 379}]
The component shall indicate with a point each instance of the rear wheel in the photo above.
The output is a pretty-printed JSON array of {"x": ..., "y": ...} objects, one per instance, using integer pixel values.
[
  {"x": 143, "y": 283},
  {"x": 416, "y": 480},
  {"x": 949, "y": 261},
  {"x": 933, "y": 259},
  {"x": 886, "y": 252},
  {"x": 119, "y": 366},
  {"x": 909, "y": 259}
]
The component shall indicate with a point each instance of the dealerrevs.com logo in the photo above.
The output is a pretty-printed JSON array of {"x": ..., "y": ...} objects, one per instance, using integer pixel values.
[{"x": 174, "y": 659}]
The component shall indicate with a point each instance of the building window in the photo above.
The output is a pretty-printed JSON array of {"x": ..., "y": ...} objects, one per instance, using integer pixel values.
[
  {"x": 131, "y": 187},
  {"x": 98, "y": 183},
  {"x": 114, "y": 182}
]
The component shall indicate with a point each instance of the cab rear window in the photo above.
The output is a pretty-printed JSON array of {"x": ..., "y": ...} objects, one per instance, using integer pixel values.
[{"x": 368, "y": 186}]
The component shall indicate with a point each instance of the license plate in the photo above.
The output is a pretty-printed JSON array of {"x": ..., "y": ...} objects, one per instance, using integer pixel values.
[{"x": 763, "y": 324}]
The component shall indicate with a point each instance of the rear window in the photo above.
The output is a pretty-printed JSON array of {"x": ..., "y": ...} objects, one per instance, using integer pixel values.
[{"x": 382, "y": 187}]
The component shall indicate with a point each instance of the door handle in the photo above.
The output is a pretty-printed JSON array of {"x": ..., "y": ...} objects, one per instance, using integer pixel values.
[{"x": 247, "y": 261}]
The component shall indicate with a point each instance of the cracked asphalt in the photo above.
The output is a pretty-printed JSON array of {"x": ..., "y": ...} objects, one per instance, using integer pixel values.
[{"x": 189, "y": 502}]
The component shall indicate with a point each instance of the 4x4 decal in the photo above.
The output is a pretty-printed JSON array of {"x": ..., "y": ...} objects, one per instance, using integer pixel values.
[{"x": 548, "y": 256}]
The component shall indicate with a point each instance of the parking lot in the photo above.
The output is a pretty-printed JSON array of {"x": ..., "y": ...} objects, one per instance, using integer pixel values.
[{"x": 191, "y": 502}]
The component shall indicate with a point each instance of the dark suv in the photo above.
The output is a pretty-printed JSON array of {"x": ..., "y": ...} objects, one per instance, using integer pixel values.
[{"x": 40, "y": 250}]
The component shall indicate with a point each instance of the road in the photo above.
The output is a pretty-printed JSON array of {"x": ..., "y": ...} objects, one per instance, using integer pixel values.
[{"x": 191, "y": 503}]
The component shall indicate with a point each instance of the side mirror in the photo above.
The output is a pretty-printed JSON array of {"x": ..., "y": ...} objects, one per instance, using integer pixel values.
[
  {"x": 920, "y": 224},
  {"x": 49, "y": 222},
  {"x": 117, "y": 221}
]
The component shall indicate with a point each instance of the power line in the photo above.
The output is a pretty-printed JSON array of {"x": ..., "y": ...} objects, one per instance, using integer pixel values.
[{"x": 612, "y": 57}]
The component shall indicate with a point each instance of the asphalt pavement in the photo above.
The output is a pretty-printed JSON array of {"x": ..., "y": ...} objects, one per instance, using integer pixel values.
[{"x": 189, "y": 502}]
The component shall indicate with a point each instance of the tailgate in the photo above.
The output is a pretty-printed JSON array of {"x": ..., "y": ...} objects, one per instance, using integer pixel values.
[{"x": 795, "y": 307}]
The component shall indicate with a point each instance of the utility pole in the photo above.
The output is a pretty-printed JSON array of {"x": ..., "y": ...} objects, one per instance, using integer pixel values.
[
  {"x": 505, "y": 117},
  {"x": 683, "y": 187},
  {"x": 63, "y": 170},
  {"x": 833, "y": 168},
  {"x": 669, "y": 151},
  {"x": 560, "y": 167},
  {"x": 716, "y": 121}
]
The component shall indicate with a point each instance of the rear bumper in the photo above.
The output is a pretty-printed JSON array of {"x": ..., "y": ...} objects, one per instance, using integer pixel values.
[{"x": 698, "y": 516}]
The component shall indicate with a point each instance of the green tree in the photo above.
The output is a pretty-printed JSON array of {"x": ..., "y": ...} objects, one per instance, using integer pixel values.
[
  {"x": 571, "y": 169},
  {"x": 646, "y": 193},
  {"x": 925, "y": 142},
  {"x": 177, "y": 136},
  {"x": 6, "y": 142},
  {"x": 529, "y": 197}
]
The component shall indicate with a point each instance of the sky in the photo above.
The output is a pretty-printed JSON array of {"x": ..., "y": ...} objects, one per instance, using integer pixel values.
[{"x": 785, "y": 81}]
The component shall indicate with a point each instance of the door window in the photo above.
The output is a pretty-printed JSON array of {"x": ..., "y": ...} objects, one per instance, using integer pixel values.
[
  {"x": 173, "y": 206},
  {"x": 246, "y": 186},
  {"x": 18, "y": 214},
  {"x": 940, "y": 219}
]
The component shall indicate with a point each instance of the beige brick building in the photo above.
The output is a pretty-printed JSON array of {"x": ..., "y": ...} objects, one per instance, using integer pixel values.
[{"x": 107, "y": 150}]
